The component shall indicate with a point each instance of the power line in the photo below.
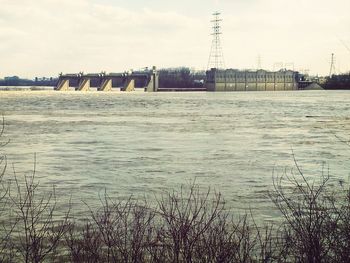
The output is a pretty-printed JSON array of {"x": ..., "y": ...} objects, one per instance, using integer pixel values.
[{"x": 344, "y": 44}]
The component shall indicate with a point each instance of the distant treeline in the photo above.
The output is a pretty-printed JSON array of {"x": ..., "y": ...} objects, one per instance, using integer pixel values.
[
  {"x": 17, "y": 81},
  {"x": 338, "y": 82},
  {"x": 181, "y": 78}
]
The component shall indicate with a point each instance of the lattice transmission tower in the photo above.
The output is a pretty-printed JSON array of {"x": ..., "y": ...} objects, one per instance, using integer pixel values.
[
  {"x": 216, "y": 57},
  {"x": 332, "y": 69}
]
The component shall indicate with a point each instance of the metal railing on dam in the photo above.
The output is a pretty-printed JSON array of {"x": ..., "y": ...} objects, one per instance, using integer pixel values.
[{"x": 127, "y": 81}]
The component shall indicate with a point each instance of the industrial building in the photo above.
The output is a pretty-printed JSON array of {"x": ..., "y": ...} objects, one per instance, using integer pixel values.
[{"x": 247, "y": 80}]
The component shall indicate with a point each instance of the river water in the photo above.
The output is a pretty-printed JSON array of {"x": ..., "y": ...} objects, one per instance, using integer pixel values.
[{"x": 142, "y": 144}]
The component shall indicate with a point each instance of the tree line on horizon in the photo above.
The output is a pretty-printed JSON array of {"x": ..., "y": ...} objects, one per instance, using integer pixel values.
[
  {"x": 181, "y": 78},
  {"x": 17, "y": 81},
  {"x": 337, "y": 82}
]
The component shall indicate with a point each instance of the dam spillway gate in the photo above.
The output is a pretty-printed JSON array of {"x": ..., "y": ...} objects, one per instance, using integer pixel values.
[{"x": 127, "y": 81}]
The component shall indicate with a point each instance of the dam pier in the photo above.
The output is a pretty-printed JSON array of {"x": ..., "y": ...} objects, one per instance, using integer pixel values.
[{"x": 147, "y": 80}]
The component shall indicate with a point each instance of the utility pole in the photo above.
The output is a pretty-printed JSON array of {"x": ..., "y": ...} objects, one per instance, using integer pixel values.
[
  {"x": 216, "y": 57},
  {"x": 259, "y": 62},
  {"x": 332, "y": 68}
]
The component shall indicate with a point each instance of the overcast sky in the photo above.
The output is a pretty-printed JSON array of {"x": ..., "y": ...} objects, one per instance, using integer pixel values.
[{"x": 45, "y": 37}]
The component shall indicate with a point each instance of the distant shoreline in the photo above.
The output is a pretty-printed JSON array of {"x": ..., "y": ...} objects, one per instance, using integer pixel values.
[
  {"x": 26, "y": 88},
  {"x": 94, "y": 90}
]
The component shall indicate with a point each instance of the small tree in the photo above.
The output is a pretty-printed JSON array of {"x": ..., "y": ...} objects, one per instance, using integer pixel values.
[
  {"x": 6, "y": 226},
  {"x": 309, "y": 214},
  {"x": 39, "y": 230}
]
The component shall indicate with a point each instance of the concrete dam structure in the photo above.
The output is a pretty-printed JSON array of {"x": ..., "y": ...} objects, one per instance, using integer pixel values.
[
  {"x": 260, "y": 80},
  {"x": 127, "y": 82}
]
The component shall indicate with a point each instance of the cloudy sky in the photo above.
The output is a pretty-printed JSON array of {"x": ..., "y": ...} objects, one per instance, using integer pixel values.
[{"x": 45, "y": 37}]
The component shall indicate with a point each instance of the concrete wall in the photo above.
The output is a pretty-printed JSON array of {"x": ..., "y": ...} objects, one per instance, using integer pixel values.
[
  {"x": 240, "y": 87},
  {"x": 220, "y": 87},
  {"x": 106, "y": 85},
  {"x": 153, "y": 84},
  {"x": 279, "y": 86},
  {"x": 230, "y": 87},
  {"x": 63, "y": 85},
  {"x": 84, "y": 85},
  {"x": 251, "y": 86},
  {"x": 270, "y": 86},
  {"x": 289, "y": 86},
  {"x": 210, "y": 86},
  {"x": 129, "y": 85},
  {"x": 261, "y": 86}
]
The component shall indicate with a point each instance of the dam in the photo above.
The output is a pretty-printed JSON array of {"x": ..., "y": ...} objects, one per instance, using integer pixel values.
[
  {"x": 147, "y": 80},
  {"x": 214, "y": 80}
]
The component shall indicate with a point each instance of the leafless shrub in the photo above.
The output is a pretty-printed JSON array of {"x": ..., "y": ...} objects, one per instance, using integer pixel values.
[
  {"x": 119, "y": 232},
  {"x": 187, "y": 216},
  {"x": 186, "y": 226},
  {"x": 189, "y": 226},
  {"x": 310, "y": 216},
  {"x": 339, "y": 226},
  {"x": 265, "y": 241},
  {"x": 6, "y": 226},
  {"x": 219, "y": 243},
  {"x": 84, "y": 243},
  {"x": 38, "y": 232}
]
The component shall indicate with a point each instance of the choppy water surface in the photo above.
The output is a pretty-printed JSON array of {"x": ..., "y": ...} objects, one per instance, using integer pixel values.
[{"x": 142, "y": 144}]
